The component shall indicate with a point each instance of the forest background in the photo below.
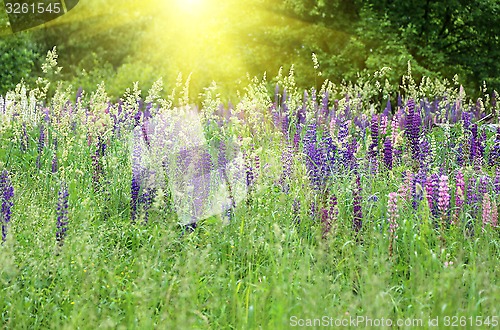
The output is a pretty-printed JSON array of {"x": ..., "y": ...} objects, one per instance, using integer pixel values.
[{"x": 224, "y": 41}]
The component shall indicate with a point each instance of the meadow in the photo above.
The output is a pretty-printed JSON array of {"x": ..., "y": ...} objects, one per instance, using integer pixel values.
[{"x": 361, "y": 201}]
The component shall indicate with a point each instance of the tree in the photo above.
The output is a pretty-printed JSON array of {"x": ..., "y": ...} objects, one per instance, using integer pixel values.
[{"x": 18, "y": 57}]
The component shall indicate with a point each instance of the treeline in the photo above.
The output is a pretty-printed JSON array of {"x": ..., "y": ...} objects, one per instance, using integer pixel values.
[{"x": 440, "y": 39}]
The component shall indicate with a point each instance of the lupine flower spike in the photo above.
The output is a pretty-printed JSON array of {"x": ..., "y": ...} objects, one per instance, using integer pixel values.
[
  {"x": 486, "y": 210},
  {"x": 62, "y": 214},
  {"x": 7, "y": 193},
  {"x": 444, "y": 196}
]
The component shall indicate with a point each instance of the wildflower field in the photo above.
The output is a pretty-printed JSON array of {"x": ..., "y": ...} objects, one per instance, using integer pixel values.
[{"x": 287, "y": 208}]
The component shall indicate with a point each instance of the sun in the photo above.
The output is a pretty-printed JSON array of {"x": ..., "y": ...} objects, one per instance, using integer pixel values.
[
  {"x": 192, "y": 2},
  {"x": 192, "y": 6}
]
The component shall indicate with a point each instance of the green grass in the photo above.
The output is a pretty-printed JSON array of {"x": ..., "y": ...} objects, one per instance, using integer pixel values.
[
  {"x": 260, "y": 271},
  {"x": 268, "y": 268}
]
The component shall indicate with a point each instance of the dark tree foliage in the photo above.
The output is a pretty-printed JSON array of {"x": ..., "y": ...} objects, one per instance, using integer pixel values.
[
  {"x": 18, "y": 58},
  {"x": 446, "y": 37},
  {"x": 439, "y": 38},
  {"x": 451, "y": 36}
]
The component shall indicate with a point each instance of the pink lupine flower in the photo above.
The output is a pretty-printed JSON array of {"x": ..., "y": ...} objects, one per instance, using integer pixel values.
[
  {"x": 392, "y": 209},
  {"x": 394, "y": 128},
  {"x": 494, "y": 214},
  {"x": 444, "y": 194},
  {"x": 405, "y": 190},
  {"x": 486, "y": 210},
  {"x": 460, "y": 180},
  {"x": 383, "y": 124}
]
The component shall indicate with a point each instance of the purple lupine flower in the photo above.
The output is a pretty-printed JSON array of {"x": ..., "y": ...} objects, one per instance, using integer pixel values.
[
  {"x": 287, "y": 162},
  {"x": 201, "y": 181},
  {"x": 343, "y": 133},
  {"x": 101, "y": 146},
  {"x": 415, "y": 135},
  {"x": 357, "y": 210},
  {"x": 473, "y": 144},
  {"x": 136, "y": 179},
  {"x": 54, "y": 164},
  {"x": 54, "y": 158},
  {"x": 472, "y": 200},
  {"x": 137, "y": 118},
  {"x": 388, "y": 108},
  {"x": 466, "y": 119},
  {"x": 351, "y": 159},
  {"x": 388, "y": 153},
  {"x": 7, "y": 193},
  {"x": 483, "y": 185},
  {"x": 41, "y": 145},
  {"x": 313, "y": 157},
  {"x": 184, "y": 158},
  {"x": 444, "y": 194},
  {"x": 343, "y": 138},
  {"x": 249, "y": 171},
  {"x": 329, "y": 150},
  {"x": 313, "y": 210},
  {"x": 496, "y": 183},
  {"x": 276, "y": 116},
  {"x": 62, "y": 214},
  {"x": 425, "y": 150},
  {"x": 134, "y": 201},
  {"x": 481, "y": 147}
]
